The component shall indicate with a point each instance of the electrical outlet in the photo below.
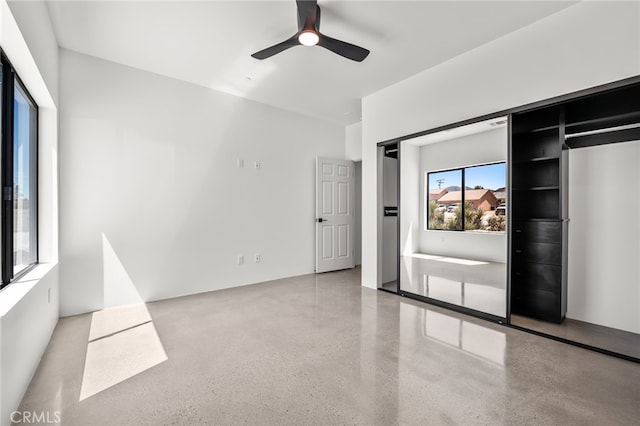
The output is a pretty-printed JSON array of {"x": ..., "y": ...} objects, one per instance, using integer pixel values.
[
  {"x": 240, "y": 259},
  {"x": 257, "y": 258},
  {"x": 257, "y": 165}
]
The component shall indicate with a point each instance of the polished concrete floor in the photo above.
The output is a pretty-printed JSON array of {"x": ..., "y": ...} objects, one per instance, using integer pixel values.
[
  {"x": 481, "y": 286},
  {"x": 391, "y": 286},
  {"x": 611, "y": 339},
  {"x": 320, "y": 349}
]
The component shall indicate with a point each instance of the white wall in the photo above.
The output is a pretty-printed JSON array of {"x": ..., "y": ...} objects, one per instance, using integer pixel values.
[
  {"x": 409, "y": 198},
  {"x": 390, "y": 223},
  {"x": 479, "y": 148},
  {"x": 604, "y": 235},
  {"x": 390, "y": 182},
  {"x": 358, "y": 213},
  {"x": 25, "y": 332},
  {"x": 584, "y": 45},
  {"x": 29, "y": 307},
  {"x": 353, "y": 152},
  {"x": 353, "y": 142},
  {"x": 36, "y": 28},
  {"x": 151, "y": 163}
]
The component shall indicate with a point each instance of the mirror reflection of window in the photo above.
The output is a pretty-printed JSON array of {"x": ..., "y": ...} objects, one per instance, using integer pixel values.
[
  {"x": 444, "y": 200},
  {"x": 484, "y": 207},
  {"x": 455, "y": 180},
  {"x": 485, "y": 198}
]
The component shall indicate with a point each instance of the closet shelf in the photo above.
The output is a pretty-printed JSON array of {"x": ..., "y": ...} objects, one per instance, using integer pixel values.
[
  {"x": 608, "y": 121},
  {"x": 536, "y": 188},
  {"x": 536, "y": 160}
]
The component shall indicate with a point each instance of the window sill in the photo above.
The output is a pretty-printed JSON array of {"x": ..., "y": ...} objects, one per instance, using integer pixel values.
[
  {"x": 12, "y": 294},
  {"x": 469, "y": 232}
]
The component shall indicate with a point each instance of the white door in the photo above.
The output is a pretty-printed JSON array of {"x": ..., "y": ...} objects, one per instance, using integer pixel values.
[{"x": 334, "y": 214}]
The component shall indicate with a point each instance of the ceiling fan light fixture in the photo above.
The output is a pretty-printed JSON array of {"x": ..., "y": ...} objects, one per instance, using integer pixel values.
[
  {"x": 309, "y": 35},
  {"x": 308, "y": 38}
]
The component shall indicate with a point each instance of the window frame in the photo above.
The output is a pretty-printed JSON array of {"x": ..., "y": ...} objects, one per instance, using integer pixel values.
[
  {"x": 427, "y": 194},
  {"x": 462, "y": 197},
  {"x": 10, "y": 83}
]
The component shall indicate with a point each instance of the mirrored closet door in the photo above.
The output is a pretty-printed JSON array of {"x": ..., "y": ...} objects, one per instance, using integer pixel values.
[{"x": 453, "y": 217}]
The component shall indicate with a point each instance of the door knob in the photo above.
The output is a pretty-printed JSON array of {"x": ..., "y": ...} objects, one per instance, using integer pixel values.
[{"x": 320, "y": 220}]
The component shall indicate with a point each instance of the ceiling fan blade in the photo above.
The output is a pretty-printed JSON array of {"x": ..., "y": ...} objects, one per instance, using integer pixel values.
[
  {"x": 342, "y": 48},
  {"x": 277, "y": 48},
  {"x": 307, "y": 14}
]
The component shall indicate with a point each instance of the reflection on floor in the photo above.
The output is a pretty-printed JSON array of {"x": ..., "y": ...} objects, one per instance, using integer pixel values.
[
  {"x": 611, "y": 339},
  {"x": 391, "y": 286},
  {"x": 471, "y": 338},
  {"x": 470, "y": 283},
  {"x": 322, "y": 349}
]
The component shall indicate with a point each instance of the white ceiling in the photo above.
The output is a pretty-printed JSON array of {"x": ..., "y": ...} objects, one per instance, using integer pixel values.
[
  {"x": 209, "y": 43},
  {"x": 459, "y": 132}
]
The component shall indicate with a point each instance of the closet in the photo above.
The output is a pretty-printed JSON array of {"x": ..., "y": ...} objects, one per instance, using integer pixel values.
[
  {"x": 542, "y": 140},
  {"x": 572, "y": 264}
]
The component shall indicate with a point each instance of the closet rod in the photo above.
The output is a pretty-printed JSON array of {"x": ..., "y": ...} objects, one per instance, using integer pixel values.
[{"x": 605, "y": 130}]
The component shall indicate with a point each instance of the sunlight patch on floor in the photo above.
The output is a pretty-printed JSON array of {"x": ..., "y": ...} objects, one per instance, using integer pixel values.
[
  {"x": 123, "y": 342},
  {"x": 467, "y": 262},
  {"x": 114, "y": 320}
]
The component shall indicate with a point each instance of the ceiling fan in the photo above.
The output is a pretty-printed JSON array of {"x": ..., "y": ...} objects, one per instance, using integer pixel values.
[{"x": 309, "y": 35}]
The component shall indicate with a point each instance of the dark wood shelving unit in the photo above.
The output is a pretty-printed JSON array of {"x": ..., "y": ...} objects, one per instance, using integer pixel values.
[
  {"x": 536, "y": 159},
  {"x": 536, "y": 188},
  {"x": 539, "y": 144},
  {"x": 538, "y": 281},
  {"x": 602, "y": 118}
]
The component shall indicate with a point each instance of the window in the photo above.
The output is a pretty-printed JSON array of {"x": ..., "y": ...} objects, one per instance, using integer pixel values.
[
  {"x": 19, "y": 165},
  {"x": 445, "y": 200},
  {"x": 480, "y": 207}
]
